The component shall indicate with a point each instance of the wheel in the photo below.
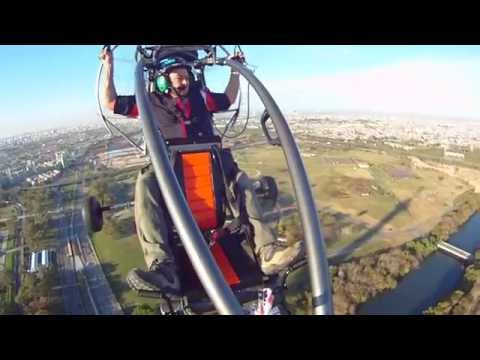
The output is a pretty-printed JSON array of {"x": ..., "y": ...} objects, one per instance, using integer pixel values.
[{"x": 92, "y": 214}]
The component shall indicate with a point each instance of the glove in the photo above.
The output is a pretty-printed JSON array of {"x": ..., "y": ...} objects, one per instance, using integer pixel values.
[{"x": 238, "y": 56}]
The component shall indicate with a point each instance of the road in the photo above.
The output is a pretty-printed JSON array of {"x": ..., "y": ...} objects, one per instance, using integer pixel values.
[
  {"x": 98, "y": 288},
  {"x": 74, "y": 303},
  {"x": 85, "y": 288}
]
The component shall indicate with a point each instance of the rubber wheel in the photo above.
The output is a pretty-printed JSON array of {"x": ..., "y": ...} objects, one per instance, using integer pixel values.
[{"x": 92, "y": 215}]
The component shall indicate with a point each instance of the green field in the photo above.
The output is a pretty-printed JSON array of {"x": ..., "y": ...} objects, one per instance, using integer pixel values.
[
  {"x": 118, "y": 257},
  {"x": 7, "y": 212},
  {"x": 386, "y": 194},
  {"x": 69, "y": 191},
  {"x": 9, "y": 266}
]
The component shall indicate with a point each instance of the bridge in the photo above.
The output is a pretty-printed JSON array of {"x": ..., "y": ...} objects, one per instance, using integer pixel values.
[{"x": 455, "y": 252}]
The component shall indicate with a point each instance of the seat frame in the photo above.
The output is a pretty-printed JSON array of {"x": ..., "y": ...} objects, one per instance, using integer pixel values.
[{"x": 237, "y": 248}]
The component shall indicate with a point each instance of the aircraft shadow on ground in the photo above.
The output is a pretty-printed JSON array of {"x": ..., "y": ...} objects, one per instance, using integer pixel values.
[{"x": 402, "y": 206}]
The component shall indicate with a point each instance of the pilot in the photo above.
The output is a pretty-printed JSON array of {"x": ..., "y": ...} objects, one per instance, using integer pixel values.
[{"x": 184, "y": 109}]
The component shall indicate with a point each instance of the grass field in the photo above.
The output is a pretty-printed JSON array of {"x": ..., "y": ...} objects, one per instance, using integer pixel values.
[
  {"x": 386, "y": 193},
  {"x": 7, "y": 212},
  {"x": 118, "y": 257}
]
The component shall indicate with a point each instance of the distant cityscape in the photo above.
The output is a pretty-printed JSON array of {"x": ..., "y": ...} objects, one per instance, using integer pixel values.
[
  {"x": 55, "y": 149},
  {"x": 418, "y": 131}
]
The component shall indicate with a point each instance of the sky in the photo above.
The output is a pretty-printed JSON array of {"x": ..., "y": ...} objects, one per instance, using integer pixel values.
[{"x": 44, "y": 87}]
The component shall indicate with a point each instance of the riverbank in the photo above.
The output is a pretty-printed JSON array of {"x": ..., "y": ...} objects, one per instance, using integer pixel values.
[
  {"x": 357, "y": 281},
  {"x": 466, "y": 299}
]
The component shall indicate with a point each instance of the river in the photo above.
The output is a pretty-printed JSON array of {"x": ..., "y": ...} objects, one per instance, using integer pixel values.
[{"x": 437, "y": 276}]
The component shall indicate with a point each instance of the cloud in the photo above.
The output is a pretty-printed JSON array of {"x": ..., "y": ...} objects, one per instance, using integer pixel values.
[{"x": 423, "y": 86}]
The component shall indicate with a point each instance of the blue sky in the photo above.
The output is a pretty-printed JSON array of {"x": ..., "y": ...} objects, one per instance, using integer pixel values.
[{"x": 48, "y": 86}]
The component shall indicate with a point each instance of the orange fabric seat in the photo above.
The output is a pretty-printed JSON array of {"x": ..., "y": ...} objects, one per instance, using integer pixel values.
[
  {"x": 199, "y": 188},
  {"x": 203, "y": 186}
]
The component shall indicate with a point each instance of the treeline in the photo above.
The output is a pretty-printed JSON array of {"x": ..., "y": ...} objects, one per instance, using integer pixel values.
[
  {"x": 7, "y": 281},
  {"x": 145, "y": 309},
  {"x": 111, "y": 190},
  {"x": 118, "y": 228},
  {"x": 5, "y": 194},
  {"x": 37, "y": 229},
  {"x": 358, "y": 280},
  {"x": 37, "y": 294},
  {"x": 10, "y": 226},
  {"x": 10, "y": 223},
  {"x": 464, "y": 300},
  {"x": 100, "y": 188}
]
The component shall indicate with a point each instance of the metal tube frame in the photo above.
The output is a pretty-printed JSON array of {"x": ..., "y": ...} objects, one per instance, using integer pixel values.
[
  {"x": 107, "y": 123},
  {"x": 315, "y": 245},
  {"x": 196, "y": 247},
  {"x": 205, "y": 266}
]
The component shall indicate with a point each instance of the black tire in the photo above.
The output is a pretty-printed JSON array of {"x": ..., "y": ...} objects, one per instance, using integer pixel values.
[{"x": 92, "y": 215}]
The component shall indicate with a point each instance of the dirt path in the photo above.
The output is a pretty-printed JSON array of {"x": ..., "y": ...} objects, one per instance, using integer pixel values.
[{"x": 471, "y": 176}]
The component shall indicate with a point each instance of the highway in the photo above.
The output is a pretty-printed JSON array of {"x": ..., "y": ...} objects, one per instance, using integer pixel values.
[
  {"x": 85, "y": 289},
  {"x": 73, "y": 301},
  {"x": 98, "y": 288}
]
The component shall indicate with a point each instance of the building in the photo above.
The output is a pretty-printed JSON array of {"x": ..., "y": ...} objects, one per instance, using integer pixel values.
[
  {"x": 120, "y": 158},
  {"x": 42, "y": 178},
  {"x": 454, "y": 155},
  {"x": 363, "y": 165},
  {"x": 59, "y": 158},
  {"x": 31, "y": 165},
  {"x": 399, "y": 146},
  {"x": 42, "y": 259}
]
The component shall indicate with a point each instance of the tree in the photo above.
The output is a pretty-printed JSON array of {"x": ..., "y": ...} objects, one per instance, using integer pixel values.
[
  {"x": 42, "y": 312},
  {"x": 11, "y": 226},
  {"x": 477, "y": 256},
  {"x": 34, "y": 232},
  {"x": 47, "y": 280},
  {"x": 99, "y": 189},
  {"x": 26, "y": 292},
  {"x": 7, "y": 308},
  {"x": 6, "y": 279},
  {"x": 3, "y": 194},
  {"x": 111, "y": 227},
  {"x": 144, "y": 309},
  {"x": 40, "y": 201},
  {"x": 5, "y": 184},
  {"x": 36, "y": 295}
]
